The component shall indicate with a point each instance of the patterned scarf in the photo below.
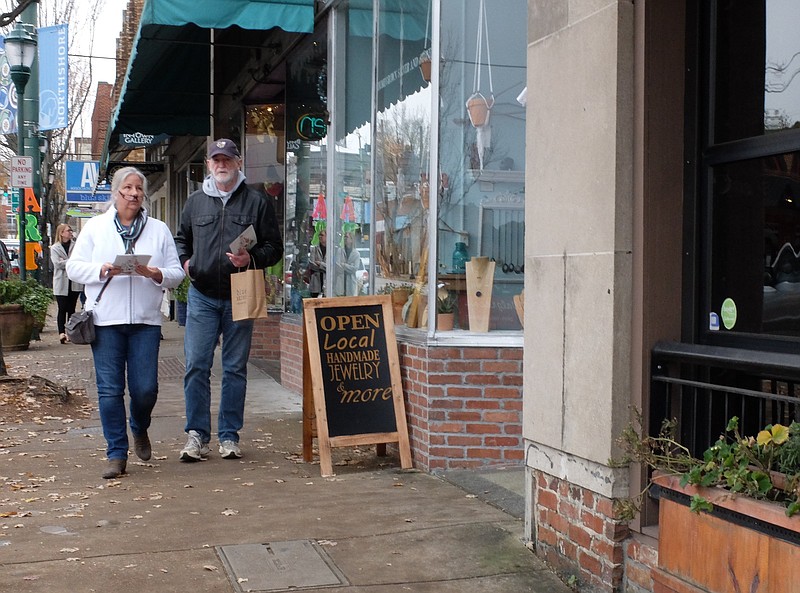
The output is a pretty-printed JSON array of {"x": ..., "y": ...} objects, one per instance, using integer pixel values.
[{"x": 131, "y": 233}]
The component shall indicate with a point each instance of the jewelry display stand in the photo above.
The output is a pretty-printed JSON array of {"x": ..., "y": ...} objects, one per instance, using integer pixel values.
[
  {"x": 480, "y": 279},
  {"x": 519, "y": 305}
]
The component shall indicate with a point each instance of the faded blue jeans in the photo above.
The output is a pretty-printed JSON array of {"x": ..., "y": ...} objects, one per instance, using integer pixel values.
[
  {"x": 120, "y": 352},
  {"x": 206, "y": 319}
]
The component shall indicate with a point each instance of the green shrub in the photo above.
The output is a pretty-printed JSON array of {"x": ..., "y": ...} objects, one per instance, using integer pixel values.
[{"x": 34, "y": 298}]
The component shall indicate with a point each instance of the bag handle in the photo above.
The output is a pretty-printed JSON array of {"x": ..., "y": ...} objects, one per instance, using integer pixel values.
[
  {"x": 252, "y": 261},
  {"x": 102, "y": 290}
]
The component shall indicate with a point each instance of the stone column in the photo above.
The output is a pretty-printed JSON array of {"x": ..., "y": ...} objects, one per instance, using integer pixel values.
[{"x": 578, "y": 284}]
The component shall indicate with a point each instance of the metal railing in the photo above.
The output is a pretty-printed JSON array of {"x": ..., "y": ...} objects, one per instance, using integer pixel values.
[{"x": 702, "y": 387}]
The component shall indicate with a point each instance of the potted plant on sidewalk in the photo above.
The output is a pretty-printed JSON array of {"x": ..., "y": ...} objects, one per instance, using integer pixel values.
[
  {"x": 23, "y": 307},
  {"x": 181, "y": 295}
]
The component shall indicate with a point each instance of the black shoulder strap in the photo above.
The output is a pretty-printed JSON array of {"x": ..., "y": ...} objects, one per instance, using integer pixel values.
[{"x": 102, "y": 290}]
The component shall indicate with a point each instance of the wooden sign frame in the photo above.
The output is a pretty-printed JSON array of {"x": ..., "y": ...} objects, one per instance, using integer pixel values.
[{"x": 357, "y": 321}]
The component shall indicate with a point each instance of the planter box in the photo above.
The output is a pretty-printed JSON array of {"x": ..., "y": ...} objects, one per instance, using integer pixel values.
[
  {"x": 743, "y": 546},
  {"x": 180, "y": 313},
  {"x": 16, "y": 327}
]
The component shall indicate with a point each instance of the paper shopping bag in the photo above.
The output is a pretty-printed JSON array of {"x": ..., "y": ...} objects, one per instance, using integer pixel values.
[{"x": 248, "y": 295}]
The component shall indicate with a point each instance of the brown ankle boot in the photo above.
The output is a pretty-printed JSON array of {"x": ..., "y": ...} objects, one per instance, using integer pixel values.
[
  {"x": 115, "y": 468},
  {"x": 141, "y": 446}
]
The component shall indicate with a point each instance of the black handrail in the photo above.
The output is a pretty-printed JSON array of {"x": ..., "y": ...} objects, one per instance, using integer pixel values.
[
  {"x": 704, "y": 386},
  {"x": 786, "y": 365}
]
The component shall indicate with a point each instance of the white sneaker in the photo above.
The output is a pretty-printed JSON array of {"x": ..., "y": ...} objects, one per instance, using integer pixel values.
[
  {"x": 195, "y": 449},
  {"x": 229, "y": 450}
]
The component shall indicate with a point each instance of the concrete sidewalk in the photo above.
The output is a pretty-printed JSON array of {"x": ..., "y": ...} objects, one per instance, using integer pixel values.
[{"x": 267, "y": 522}]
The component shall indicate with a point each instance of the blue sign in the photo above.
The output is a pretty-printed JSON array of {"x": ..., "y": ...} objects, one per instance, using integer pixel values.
[
  {"x": 8, "y": 95},
  {"x": 53, "y": 77},
  {"x": 81, "y": 183}
]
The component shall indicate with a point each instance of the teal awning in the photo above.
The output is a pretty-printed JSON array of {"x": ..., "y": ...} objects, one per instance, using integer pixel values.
[
  {"x": 290, "y": 15},
  {"x": 167, "y": 85}
]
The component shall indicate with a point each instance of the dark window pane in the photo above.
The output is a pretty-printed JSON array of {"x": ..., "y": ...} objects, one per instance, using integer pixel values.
[
  {"x": 756, "y": 243},
  {"x": 756, "y": 84}
]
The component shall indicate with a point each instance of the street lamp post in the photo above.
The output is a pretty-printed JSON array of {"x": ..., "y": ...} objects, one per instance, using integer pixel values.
[{"x": 20, "y": 47}]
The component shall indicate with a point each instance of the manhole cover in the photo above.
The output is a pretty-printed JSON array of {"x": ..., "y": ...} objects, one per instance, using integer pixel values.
[
  {"x": 279, "y": 566},
  {"x": 170, "y": 367}
]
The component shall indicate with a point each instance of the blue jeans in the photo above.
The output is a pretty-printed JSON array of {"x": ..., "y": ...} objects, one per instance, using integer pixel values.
[
  {"x": 121, "y": 350},
  {"x": 206, "y": 319}
]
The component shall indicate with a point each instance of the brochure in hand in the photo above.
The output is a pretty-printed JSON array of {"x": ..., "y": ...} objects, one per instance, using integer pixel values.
[
  {"x": 128, "y": 262},
  {"x": 244, "y": 241}
]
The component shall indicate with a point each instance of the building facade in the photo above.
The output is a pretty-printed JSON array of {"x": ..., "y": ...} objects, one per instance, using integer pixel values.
[{"x": 630, "y": 165}]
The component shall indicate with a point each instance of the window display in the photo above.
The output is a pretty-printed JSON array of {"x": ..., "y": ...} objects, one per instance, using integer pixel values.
[
  {"x": 390, "y": 210},
  {"x": 481, "y": 194},
  {"x": 265, "y": 142}
]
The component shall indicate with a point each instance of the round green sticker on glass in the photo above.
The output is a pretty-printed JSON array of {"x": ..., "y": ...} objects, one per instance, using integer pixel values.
[{"x": 728, "y": 313}]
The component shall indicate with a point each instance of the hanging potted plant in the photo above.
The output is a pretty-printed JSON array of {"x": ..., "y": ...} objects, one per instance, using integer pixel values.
[
  {"x": 425, "y": 56},
  {"x": 479, "y": 106},
  {"x": 425, "y": 65}
]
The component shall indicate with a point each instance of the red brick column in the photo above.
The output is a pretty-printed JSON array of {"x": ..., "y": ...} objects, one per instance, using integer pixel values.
[
  {"x": 291, "y": 355},
  {"x": 266, "y": 344},
  {"x": 577, "y": 533}
]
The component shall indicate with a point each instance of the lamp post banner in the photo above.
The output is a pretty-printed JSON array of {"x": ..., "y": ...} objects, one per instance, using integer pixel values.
[
  {"x": 53, "y": 77},
  {"x": 8, "y": 95}
]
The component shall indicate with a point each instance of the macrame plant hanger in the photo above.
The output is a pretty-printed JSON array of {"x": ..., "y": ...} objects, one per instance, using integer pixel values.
[
  {"x": 479, "y": 107},
  {"x": 425, "y": 56}
]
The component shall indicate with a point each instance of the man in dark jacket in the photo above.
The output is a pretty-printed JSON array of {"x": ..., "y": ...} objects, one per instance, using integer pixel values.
[{"x": 212, "y": 218}]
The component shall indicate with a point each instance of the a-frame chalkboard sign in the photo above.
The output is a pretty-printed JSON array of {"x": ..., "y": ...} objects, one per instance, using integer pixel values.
[{"x": 352, "y": 388}]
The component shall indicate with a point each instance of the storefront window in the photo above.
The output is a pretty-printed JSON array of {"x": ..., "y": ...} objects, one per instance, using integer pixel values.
[
  {"x": 757, "y": 88},
  {"x": 480, "y": 190},
  {"x": 306, "y": 132},
  {"x": 756, "y": 246},
  {"x": 382, "y": 196},
  {"x": 349, "y": 235},
  {"x": 402, "y": 156},
  {"x": 264, "y": 164},
  {"x": 750, "y": 205}
]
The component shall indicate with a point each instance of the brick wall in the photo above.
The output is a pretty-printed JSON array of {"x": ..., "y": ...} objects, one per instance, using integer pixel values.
[
  {"x": 577, "y": 534},
  {"x": 101, "y": 114},
  {"x": 463, "y": 405},
  {"x": 291, "y": 331},
  {"x": 266, "y": 344},
  {"x": 641, "y": 557}
]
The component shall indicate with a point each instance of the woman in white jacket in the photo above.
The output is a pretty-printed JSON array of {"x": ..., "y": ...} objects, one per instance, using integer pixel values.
[
  {"x": 65, "y": 291},
  {"x": 128, "y": 316}
]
